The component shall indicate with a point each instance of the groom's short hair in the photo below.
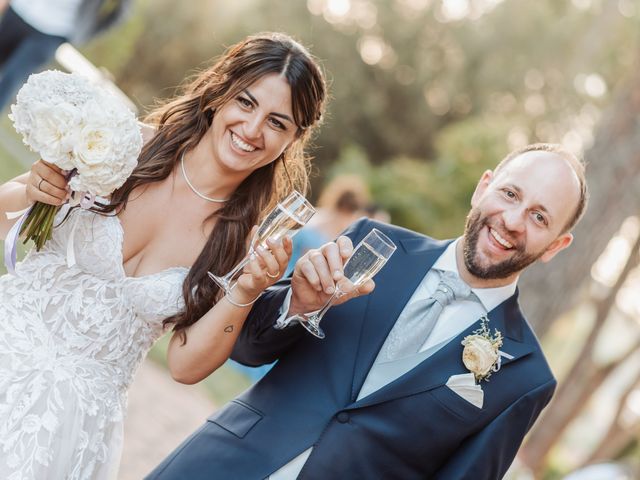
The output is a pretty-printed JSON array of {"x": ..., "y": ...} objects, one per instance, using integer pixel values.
[{"x": 576, "y": 164}]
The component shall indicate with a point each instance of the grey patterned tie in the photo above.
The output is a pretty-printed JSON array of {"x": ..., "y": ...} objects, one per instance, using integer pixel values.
[{"x": 418, "y": 320}]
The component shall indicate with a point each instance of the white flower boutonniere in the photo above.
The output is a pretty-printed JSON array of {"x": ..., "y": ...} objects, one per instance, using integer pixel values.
[{"x": 481, "y": 351}]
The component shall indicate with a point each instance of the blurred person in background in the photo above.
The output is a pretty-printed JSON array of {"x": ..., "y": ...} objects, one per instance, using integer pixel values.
[
  {"x": 32, "y": 30},
  {"x": 377, "y": 212},
  {"x": 342, "y": 201},
  {"x": 216, "y": 159}
]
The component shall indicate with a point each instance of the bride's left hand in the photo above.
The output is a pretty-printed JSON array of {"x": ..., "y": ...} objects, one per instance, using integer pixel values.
[{"x": 265, "y": 268}]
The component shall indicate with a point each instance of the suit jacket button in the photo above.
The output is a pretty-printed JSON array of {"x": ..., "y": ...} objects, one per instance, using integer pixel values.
[{"x": 343, "y": 417}]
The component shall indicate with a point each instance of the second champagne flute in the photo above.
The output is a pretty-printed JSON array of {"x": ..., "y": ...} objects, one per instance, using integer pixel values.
[
  {"x": 368, "y": 257},
  {"x": 287, "y": 217}
]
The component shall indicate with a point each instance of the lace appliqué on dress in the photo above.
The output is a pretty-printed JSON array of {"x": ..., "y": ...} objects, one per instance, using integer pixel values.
[{"x": 71, "y": 340}]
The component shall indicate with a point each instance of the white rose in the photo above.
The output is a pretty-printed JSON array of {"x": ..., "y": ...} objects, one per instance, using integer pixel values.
[
  {"x": 101, "y": 179},
  {"x": 479, "y": 355},
  {"x": 94, "y": 146},
  {"x": 130, "y": 139},
  {"x": 54, "y": 133},
  {"x": 22, "y": 117}
]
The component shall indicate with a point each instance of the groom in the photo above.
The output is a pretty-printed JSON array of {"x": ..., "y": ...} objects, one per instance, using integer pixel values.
[{"x": 387, "y": 393}]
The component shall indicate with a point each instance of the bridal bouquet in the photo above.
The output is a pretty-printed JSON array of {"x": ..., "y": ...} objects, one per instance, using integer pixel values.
[{"x": 83, "y": 130}]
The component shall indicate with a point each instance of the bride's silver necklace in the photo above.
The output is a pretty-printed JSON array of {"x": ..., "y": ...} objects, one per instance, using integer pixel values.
[{"x": 186, "y": 179}]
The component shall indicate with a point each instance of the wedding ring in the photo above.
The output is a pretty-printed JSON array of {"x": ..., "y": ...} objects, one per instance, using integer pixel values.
[
  {"x": 40, "y": 183},
  {"x": 276, "y": 275}
]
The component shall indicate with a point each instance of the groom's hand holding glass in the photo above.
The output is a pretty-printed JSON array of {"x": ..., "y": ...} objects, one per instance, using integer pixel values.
[{"x": 318, "y": 273}]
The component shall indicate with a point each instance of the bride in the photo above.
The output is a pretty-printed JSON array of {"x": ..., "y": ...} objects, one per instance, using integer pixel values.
[{"x": 71, "y": 338}]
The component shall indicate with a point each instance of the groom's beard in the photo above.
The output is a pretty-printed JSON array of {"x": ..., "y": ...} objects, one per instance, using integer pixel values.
[{"x": 518, "y": 262}]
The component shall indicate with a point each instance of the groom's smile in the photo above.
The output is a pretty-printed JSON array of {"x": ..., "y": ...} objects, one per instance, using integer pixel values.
[{"x": 502, "y": 243}]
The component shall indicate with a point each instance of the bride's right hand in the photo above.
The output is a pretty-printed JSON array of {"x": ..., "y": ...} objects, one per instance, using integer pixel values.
[
  {"x": 46, "y": 184},
  {"x": 266, "y": 267}
]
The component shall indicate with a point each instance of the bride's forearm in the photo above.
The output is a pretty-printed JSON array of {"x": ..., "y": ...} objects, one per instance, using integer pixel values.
[
  {"x": 211, "y": 339},
  {"x": 209, "y": 343},
  {"x": 13, "y": 198}
]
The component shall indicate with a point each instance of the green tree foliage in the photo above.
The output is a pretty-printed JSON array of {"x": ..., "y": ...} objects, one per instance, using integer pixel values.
[
  {"x": 429, "y": 96},
  {"x": 432, "y": 196},
  {"x": 116, "y": 47}
]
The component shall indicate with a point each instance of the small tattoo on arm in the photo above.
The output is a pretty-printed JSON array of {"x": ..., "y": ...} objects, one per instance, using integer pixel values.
[{"x": 228, "y": 328}]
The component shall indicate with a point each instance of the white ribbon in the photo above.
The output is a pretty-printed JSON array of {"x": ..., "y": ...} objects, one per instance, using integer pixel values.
[
  {"x": 12, "y": 215},
  {"x": 11, "y": 240},
  {"x": 86, "y": 201},
  {"x": 71, "y": 255},
  {"x": 498, "y": 364}
]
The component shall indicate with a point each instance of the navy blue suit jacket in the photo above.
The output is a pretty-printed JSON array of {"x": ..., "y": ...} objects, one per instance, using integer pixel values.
[{"x": 413, "y": 428}]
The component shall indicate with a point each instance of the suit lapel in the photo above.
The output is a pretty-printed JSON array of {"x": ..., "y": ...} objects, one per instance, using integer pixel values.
[
  {"x": 394, "y": 287},
  {"x": 508, "y": 319},
  {"x": 436, "y": 369}
]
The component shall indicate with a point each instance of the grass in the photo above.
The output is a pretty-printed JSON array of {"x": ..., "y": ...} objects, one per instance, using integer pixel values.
[{"x": 221, "y": 386}]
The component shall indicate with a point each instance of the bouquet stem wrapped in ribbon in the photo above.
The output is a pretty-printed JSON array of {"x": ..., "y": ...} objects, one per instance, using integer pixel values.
[{"x": 82, "y": 129}]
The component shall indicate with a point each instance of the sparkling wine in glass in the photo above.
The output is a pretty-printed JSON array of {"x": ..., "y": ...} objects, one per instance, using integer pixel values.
[
  {"x": 286, "y": 218},
  {"x": 367, "y": 259}
]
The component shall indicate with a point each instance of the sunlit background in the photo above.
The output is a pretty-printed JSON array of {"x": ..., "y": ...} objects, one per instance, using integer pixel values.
[{"x": 426, "y": 95}]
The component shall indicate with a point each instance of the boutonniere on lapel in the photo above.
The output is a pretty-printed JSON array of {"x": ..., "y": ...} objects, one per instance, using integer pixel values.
[{"x": 481, "y": 353}]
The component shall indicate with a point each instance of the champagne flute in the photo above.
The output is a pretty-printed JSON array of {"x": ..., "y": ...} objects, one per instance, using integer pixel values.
[
  {"x": 367, "y": 259},
  {"x": 287, "y": 217}
]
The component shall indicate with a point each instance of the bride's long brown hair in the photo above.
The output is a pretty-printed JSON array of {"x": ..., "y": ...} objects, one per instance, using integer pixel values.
[{"x": 183, "y": 121}]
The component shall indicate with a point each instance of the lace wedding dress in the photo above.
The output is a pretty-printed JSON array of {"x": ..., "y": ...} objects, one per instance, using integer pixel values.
[{"x": 71, "y": 339}]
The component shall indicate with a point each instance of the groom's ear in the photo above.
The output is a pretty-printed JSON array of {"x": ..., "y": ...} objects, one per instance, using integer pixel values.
[
  {"x": 481, "y": 187},
  {"x": 559, "y": 244}
]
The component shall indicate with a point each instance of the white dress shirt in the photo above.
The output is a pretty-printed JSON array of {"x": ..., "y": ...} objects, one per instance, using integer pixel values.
[{"x": 454, "y": 319}]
